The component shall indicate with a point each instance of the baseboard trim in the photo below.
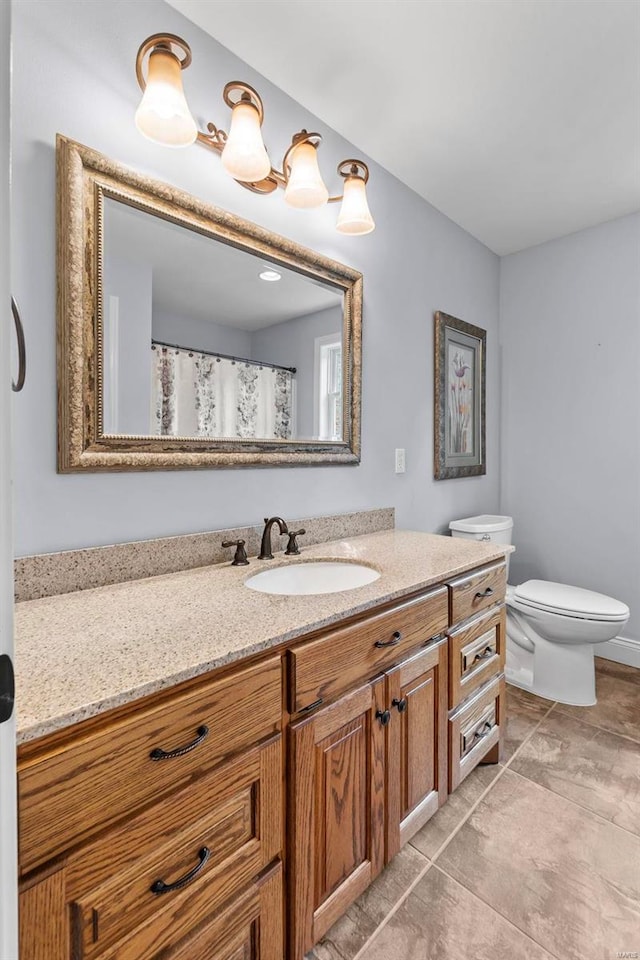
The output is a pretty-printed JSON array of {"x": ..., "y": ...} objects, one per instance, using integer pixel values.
[{"x": 621, "y": 650}]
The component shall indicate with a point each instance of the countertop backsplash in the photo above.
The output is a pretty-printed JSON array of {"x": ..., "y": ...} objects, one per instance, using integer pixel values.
[{"x": 49, "y": 574}]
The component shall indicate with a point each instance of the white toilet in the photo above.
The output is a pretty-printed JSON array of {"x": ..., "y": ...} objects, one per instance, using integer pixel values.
[{"x": 551, "y": 627}]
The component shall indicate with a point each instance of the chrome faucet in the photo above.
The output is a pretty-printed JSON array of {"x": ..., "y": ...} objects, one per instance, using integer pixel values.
[{"x": 265, "y": 546}]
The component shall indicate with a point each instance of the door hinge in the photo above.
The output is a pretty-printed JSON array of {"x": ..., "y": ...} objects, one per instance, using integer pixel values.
[{"x": 7, "y": 687}]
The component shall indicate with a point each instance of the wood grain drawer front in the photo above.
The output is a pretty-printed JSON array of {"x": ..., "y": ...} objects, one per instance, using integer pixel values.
[
  {"x": 334, "y": 664},
  {"x": 250, "y": 928},
  {"x": 476, "y": 591},
  {"x": 67, "y": 795},
  {"x": 476, "y": 653},
  {"x": 474, "y": 729},
  {"x": 194, "y": 850}
]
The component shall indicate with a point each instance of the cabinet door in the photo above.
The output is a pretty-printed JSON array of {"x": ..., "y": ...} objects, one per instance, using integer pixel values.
[
  {"x": 337, "y": 793},
  {"x": 416, "y": 743}
]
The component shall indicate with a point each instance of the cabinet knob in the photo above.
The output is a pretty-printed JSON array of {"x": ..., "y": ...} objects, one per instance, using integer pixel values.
[
  {"x": 399, "y": 704},
  {"x": 384, "y": 716}
]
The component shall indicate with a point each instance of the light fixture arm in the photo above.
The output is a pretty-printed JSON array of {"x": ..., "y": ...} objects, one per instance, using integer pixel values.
[{"x": 215, "y": 139}]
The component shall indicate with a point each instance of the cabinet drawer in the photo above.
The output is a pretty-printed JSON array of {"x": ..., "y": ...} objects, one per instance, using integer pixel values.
[
  {"x": 476, "y": 591},
  {"x": 474, "y": 729},
  {"x": 68, "y": 794},
  {"x": 250, "y": 928},
  {"x": 325, "y": 668},
  {"x": 148, "y": 883},
  {"x": 476, "y": 653}
]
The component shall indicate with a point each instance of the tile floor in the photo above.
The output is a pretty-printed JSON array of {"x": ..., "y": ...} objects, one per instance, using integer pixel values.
[{"x": 534, "y": 859}]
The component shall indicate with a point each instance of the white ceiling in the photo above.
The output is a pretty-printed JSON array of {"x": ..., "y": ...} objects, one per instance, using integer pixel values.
[
  {"x": 197, "y": 277},
  {"x": 518, "y": 119}
]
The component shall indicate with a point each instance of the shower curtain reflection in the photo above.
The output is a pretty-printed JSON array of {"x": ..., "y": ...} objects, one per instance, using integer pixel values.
[{"x": 203, "y": 395}]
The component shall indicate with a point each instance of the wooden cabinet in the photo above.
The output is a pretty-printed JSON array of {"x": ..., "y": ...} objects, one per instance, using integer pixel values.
[
  {"x": 335, "y": 663},
  {"x": 476, "y": 591},
  {"x": 249, "y": 929},
  {"x": 94, "y": 780},
  {"x": 476, "y": 653},
  {"x": 171, "y": 868},
  {"x": 366, "y": 773},
  {"x": 475, "y": 730},
  {"x": 159, "y": 833},
  {"x": 336, "y": 810},
  {"x": 416, "y": 759}
]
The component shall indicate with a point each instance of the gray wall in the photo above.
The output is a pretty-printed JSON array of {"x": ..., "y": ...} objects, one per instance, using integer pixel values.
[
  {"x": 130, "y": 282},
  {"x": 200, "y": 334},
  {"x": 570, "y": 334},
  {"x": 292, "y": 344},
  {"x": 74, "y": 73}
]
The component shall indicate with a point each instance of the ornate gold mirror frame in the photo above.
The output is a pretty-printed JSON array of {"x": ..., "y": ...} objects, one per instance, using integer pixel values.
[{"x": 85, "y": 179}]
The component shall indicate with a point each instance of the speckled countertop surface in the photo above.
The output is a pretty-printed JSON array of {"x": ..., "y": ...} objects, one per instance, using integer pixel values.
[{"x": 80, "y": 654}]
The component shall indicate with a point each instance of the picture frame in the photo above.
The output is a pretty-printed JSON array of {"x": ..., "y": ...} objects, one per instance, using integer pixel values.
[{"x": 459, "y": 398}]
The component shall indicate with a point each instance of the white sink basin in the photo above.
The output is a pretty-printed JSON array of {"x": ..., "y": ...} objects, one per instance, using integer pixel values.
[{"x": 309, "y": 578}]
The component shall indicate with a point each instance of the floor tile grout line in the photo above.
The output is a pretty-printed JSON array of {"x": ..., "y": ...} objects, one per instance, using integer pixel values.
[
  {"x": 580, "y": 806},
  {"x": 383, "y": 923},
  {"x": 596, "y": 726},
  {"x": 497, "y": 912},
  {"x": 432, "y": 860}
]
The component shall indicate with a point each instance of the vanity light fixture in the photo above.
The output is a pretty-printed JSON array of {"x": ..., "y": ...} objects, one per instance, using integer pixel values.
[
  {"x": 164, "y": 117},
  {"x": 270, "y": 275}
]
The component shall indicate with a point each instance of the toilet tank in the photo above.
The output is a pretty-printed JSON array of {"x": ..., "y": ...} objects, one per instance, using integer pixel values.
[{"x": 486, "y": 527}]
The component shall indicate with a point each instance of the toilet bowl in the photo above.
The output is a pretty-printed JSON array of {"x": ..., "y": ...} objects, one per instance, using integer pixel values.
[
  {"x": 551, "y": 627},
  {"x": 551, "y": 630}
]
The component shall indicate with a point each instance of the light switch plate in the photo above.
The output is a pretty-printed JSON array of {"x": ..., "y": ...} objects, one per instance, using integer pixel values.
[{"x": 400, "y": 460}]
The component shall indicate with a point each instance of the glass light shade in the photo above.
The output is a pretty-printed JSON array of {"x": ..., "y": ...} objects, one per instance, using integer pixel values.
[
  {"x": 244, "y": 155},
  {"x": 305, "y": 188},
  {"x": 163, "y": 114},
  {"x": 355, "y": 217}
]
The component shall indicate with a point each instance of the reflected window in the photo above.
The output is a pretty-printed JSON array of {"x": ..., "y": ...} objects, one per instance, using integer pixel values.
[{"x": 328, "y": 378}]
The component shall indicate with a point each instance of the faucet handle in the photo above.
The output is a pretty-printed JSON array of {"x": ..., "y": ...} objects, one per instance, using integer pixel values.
[
  {"x": 240, "y": 557},
  {"x": 292, "y": 547}
]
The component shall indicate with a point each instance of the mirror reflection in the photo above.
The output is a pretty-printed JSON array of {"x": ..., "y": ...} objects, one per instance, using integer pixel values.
[{"x": 202, "y": 339}]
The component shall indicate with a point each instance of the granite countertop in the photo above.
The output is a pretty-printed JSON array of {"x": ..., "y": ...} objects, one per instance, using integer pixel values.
[{"x": 80, "y": 654}]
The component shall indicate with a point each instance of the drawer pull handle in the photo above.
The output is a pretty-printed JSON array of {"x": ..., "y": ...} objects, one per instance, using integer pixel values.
[
  {"x": 396, "y": 637},
  {"x": 159, "y": 886},
  {"x": 159, "y": 754},
  {"x": 383, "y": 716},
  {"x": 400, "y": 705},
  {"x": 482, "y": 594},
  {"x": 483, "y": 732},
  {"x": 486, "y": 653}
]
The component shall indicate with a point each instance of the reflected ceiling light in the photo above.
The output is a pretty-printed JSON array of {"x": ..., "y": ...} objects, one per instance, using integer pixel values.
[
  {"x": 164, "y": 116},
  {"x": 270, "y": 275}
]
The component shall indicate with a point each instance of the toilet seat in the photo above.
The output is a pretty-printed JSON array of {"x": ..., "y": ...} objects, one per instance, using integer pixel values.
[{"x": 566, "y": 601}]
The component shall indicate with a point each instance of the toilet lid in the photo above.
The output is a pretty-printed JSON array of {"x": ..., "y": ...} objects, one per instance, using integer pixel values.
[{"x": 570, "y": 601}]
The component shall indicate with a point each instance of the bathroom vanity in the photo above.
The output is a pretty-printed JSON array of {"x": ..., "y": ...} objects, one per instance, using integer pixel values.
[{"x": 237, "y": 812}]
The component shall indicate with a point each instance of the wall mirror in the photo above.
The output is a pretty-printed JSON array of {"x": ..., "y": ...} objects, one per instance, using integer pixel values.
[{"x": 191, "y": 338}]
